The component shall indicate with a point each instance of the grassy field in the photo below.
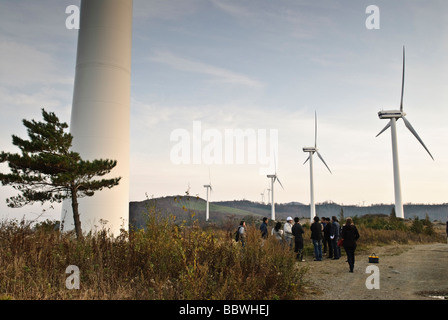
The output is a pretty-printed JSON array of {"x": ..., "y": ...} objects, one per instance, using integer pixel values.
[{"x": 168, "y": 260}]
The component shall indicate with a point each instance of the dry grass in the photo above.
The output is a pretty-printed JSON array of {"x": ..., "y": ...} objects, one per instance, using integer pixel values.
[{"x": 164, "y": 262}]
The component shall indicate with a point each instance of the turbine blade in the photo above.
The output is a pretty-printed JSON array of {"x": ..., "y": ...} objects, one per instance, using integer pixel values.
[
  {"x": 275, "y": 164},
  {"x": 384, "y": 129},
  {"x": 279, "y": 182},
  {"x": 307, "y": 159},
  {"x": 409, "y": 126},
  {"x": 318, "y": 154},
  {"x": 402, "y": 84},
  {"x": 315, "y": 129}
]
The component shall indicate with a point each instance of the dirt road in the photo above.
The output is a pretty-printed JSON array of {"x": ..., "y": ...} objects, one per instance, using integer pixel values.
[{"x": 416, "y": 272}]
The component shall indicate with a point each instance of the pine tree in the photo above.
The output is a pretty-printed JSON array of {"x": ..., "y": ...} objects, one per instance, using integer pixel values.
[{"x": 47, "y": 170}]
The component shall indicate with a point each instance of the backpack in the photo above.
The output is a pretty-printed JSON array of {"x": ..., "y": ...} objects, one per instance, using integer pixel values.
[{"x": 237, "y": 235}]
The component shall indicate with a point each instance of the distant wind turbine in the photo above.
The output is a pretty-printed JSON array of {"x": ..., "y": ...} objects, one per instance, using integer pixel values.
[
  {"x": 273, "y": 178},
  {"x": 394, "y": 116},
  {"x": 208, "y": 186},
  {"x": 311, "y": 151},
  {"x": 262, "y": 196},
  {"x": 188, "y": 190}
]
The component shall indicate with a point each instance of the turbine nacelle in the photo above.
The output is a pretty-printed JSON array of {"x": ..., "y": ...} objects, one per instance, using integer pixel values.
[
  {"x": 274, "y": 178},
  {"x": 309, "y": 149},
  {"x": 314, "y": 149},
  {"x": 389, "y": 114}
]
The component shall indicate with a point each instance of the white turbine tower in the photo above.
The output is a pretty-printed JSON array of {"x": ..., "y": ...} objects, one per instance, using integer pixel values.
[
  {"x": 394, "y": 116},
  {"x": 262, "y": 196},
  {"x": 208, "y": 187},
  {"x": 100, "y": 117},
  {"x": 273, "y": 178},
  {"x": 311, "y": 151}
]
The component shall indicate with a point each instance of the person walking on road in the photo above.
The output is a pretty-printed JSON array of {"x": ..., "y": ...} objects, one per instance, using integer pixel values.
[{"x": 350, "y": 235}]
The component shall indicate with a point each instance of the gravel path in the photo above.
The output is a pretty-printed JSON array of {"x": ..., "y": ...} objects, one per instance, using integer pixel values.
[{"x": 416, "y": 272}]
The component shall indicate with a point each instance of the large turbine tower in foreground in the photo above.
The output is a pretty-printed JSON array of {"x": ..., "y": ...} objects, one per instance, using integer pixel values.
[
  {"x": 394, "y": 116},
  {"x": 100, "y": 115}
]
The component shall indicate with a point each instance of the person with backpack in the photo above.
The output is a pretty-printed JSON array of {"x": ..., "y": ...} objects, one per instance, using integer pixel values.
[{"x": 240, "y": 234}]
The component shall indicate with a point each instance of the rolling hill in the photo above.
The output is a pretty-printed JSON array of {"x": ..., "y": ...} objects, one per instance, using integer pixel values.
[{"x": 189, "y": 208}]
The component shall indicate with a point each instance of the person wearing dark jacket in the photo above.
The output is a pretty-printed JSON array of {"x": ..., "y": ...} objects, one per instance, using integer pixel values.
[
  {"x": 334, "y": 236},
  {"x": 316, "y": 236},
  {"x": 327, "y": 240},
  {"x": 264, "y": 228},
  {"x": 350, "y": 235},
  {"x": 297, "y": 232}
]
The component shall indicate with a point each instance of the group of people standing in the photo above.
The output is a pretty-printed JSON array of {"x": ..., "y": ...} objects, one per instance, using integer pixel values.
[
  {"x": 329, "y": 233},
  {"x": 290, "y": 233},
  {"x": 326, "y": 235}
]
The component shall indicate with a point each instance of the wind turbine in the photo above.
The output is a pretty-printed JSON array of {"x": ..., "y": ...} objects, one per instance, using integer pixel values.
[
  {"x": 273, "y": 178},
  {"x": 208, "y": 186},
  {"x": 311, "y": 151},
  {"x": 262, "y": 196},
  {"x": 394, "y": 116}
]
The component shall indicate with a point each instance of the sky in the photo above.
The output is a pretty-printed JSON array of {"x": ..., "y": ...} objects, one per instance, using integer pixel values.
[{"x": 257, "y": 66}]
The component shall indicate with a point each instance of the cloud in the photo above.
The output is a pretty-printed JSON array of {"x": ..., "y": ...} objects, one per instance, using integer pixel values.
[
  {"x": 221, "y": 74},
  {"x": 292, "y": 17},
  {"x": 165, "y": 9}
]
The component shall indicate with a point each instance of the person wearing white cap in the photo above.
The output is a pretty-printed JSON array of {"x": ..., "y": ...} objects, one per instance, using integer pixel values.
[{"x": 287, "y": 232}]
